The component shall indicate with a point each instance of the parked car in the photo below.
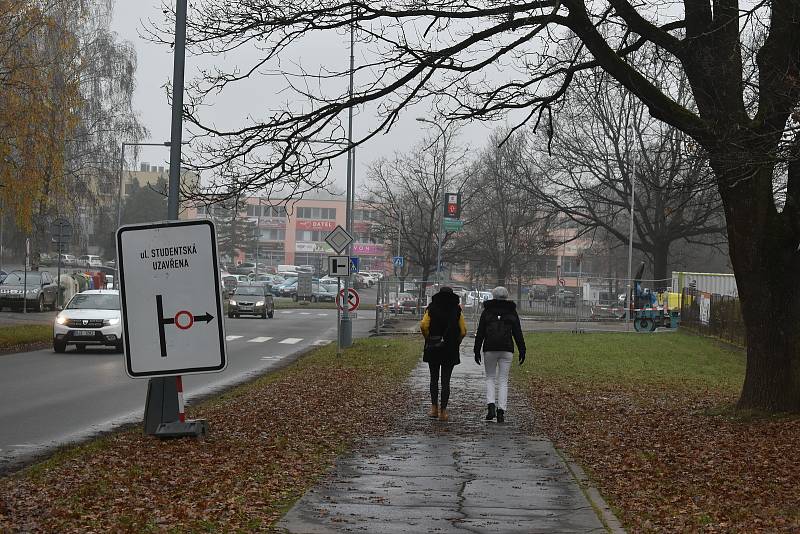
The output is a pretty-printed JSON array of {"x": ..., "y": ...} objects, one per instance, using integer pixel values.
[
  {"x": 476, "y": 298},
  {"x": 287, "y": 288},
  {"x": 41, "y": 291},
  {"x": 322, "y": 293},
  {"x": 562, "y": 297},
  {"x": 359, "y": 281},
  {"x": 306, "y": 269},
  {"x": 90, "y": 260},
  {"x": 69, "y": 260},
  {"x": 539, "y": 292},
  {"x": 245, "y": 267},
  {"x": 251, "y": 299},
  {"x": 89, "y": 318}
]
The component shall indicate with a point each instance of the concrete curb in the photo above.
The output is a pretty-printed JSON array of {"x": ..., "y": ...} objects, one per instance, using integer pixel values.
[{"x": 597, "y": 501}]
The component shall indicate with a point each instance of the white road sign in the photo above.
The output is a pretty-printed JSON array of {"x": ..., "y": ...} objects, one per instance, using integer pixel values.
[
  {"x": 339, "y": 265},
  {"x": 338, "y": 239},
  {"x": 170, "y": 296}
]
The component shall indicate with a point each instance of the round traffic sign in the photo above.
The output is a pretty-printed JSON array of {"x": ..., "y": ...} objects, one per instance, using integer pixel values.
[
  {"x": 562, "y": 282},
  {"x": 353, "y": 299},
  {"x": 186, "y": 324}
]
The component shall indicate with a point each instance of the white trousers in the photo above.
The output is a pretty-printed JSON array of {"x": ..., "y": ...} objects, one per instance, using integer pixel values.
[{"x": 492, "y": 360}]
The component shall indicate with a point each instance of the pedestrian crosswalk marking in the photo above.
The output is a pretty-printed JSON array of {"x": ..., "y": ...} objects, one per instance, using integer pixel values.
[
  {"x": 259, "y": 339},
  {"x": 291, "y": 340},
  {"x": 231, "y": 338}
]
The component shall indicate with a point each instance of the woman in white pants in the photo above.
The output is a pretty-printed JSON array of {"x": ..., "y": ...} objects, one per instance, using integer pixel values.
[{"x": 498, "y": 329}]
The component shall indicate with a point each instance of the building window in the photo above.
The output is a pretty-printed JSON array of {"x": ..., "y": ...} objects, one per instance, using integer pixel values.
[
  {"x": 273, "y": 234},
  {"x": 309, "y": 235},
  {"x": 316, "y": 213},
  {"x": 275, "y": 211}
]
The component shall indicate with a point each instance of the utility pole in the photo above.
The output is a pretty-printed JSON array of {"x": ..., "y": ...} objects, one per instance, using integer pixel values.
[{"x": 346, "y": 325}]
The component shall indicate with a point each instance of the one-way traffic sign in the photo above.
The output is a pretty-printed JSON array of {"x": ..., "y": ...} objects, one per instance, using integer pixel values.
[{"x": 171, "y": 304}]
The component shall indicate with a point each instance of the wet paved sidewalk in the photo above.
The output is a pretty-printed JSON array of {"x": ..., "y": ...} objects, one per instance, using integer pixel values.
[{"x": 466, "y": 475}]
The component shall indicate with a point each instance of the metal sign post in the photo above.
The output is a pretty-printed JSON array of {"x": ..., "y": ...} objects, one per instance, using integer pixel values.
[
  {"x": 339, "y": 239},
  {"x": 25, "y": 274},
  {"x": 61, "y": 233}
]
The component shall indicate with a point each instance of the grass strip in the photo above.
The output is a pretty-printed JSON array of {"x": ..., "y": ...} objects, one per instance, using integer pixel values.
[
  {"x": 15, "y": 337},
  {"x": 270, "y": 441},
  {"x": 650, "y": 419}
]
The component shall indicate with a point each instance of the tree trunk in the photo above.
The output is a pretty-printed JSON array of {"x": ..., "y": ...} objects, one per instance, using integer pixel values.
[
  {"x": 660, "y": 263},
  {"x": 763, "y": 248}
]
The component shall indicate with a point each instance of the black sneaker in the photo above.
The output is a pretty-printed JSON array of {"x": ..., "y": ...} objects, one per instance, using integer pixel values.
[
  {"x": 491, "y": 413},
  {"x": 501, "y": 416}
]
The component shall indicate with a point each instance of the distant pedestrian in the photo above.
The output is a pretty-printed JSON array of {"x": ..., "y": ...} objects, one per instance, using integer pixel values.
[
  {"x": 498, "y": 329},
  {"x": 443, "y": 327}
]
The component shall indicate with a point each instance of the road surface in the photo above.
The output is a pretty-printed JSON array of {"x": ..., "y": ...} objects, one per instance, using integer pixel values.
[{"x": 48, "y": 399}]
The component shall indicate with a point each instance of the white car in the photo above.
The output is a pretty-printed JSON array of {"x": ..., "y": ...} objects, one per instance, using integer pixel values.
[
  {"x": 69, "y": 259},
  {"x": 90, "y": 260},
  {"x": 89, "y": 318}
]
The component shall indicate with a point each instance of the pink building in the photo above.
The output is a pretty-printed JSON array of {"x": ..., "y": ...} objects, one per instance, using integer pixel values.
[{"x": 293, "y": 232}]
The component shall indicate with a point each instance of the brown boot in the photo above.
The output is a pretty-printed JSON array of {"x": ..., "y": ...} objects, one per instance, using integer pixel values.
[
  {"x": 434, "y": 413},
  {"x": 443, "y": 415}
]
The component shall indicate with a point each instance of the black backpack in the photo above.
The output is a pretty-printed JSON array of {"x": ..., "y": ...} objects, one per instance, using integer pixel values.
[{"x": 498, "y": 333}]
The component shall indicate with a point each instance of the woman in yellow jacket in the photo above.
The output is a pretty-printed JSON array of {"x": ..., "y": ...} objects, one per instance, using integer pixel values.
[{"x": 443, "y": 327}]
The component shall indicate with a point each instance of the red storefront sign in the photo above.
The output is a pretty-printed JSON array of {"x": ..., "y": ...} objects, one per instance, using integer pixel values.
[{"x": 315, "y": 225}]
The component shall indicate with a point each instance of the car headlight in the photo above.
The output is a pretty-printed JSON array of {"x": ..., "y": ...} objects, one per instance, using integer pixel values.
[
  {"x": 111, "y": 322},
  {"x": 61, "y": 319},
  {"x": 232, "y": 302},
  {"x": 260, "y": 303}
]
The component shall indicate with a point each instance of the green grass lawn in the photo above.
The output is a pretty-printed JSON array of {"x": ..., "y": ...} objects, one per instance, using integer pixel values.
[
  {"x": 670, "y": 358},
  {"x": 16, "y": 336}
]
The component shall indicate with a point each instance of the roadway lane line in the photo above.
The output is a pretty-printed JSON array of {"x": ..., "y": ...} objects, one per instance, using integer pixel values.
[
  {"x": 231, "y": 338},
  {"x": 291, "y": 340},
  {"x": 322, "y": 315},
  {"x": 287, "y": 312},
  {"x": 322, "y": 342},
  {"x": 259, "y": 339},
  {"x": 270, "y": 358},
  {"x": 305, "y": 313}
]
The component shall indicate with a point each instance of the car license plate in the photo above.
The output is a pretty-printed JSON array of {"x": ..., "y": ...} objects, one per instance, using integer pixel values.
[{"x": 84, "y": 333}]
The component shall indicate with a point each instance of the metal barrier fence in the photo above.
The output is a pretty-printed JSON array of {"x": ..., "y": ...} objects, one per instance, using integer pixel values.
[
  {"x": 712, "y": 315},
  {"x": 580, "y": 300}
]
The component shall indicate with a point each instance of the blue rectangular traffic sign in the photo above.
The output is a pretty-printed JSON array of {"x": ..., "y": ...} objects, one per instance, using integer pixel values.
[
  {"x": 397, "y": 261},
  {"x": 354, "y": 262}
]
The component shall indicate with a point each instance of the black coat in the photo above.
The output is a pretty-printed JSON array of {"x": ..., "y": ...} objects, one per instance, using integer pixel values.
[
  {"x": 444, "y": 313},
  {"x": 508, "y": 311}
]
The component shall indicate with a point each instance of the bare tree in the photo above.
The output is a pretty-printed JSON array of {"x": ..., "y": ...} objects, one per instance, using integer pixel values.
[
  {"x": 480, "y": 60},
  {"x": 603, "y": 144},
  {"x": 407, "y": 193},
  {"x": 507, "y": 225}
]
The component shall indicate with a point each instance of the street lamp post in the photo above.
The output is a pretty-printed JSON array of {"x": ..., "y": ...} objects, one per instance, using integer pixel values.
[
  {"x": 444, "y": 200},
  {"x": 630, "y": 245},
  {"x": 119, "y": 192}
]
